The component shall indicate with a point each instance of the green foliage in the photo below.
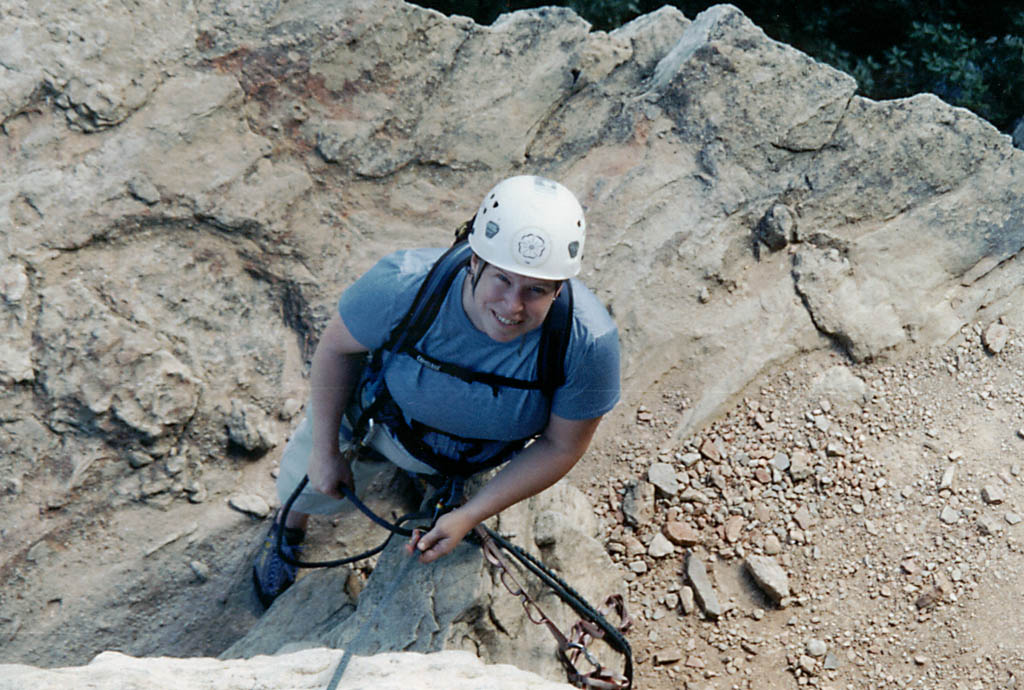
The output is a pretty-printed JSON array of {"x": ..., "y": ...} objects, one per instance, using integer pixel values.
[
  {"x": 986, "y": 76},
  {"x": 968, "y": 52},
  {"x": 606, "y": 14}
]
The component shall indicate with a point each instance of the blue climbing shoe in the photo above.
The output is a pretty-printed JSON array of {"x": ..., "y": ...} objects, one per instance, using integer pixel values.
[{"x": 272, "y": 575}]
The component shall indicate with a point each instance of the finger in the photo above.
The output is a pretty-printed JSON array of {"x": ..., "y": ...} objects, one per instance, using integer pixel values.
[
  {"x": 437, "y": 549},
  {"x": 429, "y": 544},
  {"x": 428, "y": 556},
  {"x": 427, "y": 540},
  {"x": 410, "y": 546}
]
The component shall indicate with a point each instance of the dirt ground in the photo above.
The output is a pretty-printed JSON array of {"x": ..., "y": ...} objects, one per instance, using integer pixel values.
[
  {"x": 887, "y": 589},
  {"x": 901, "y": 544}
]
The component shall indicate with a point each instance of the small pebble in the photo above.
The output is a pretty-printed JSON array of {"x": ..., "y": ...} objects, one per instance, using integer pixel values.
[
  {"x": 993, "y": 494},
  {"x": 816, "y": 647},
  {"x": 251, "y": 504},
  {"x": 660, "y": 546},
  {"x": 949, "y": 515},
  {"x": 687, "y": 600},
  {"x": 201, "y": 570}
]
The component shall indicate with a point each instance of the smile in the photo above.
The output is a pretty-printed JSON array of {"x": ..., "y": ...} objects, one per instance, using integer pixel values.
[{"x": 506, "y": 322}]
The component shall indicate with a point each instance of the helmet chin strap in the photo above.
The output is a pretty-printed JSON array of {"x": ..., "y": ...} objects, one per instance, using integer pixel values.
[{"x": 481, "y": 265}]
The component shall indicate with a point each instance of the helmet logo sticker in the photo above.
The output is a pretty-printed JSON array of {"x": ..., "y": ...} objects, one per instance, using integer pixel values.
[
  {"x": 530, "y": 248},
  {"x": 492, "y": 229},
  {"x": 574, "y": 248}
]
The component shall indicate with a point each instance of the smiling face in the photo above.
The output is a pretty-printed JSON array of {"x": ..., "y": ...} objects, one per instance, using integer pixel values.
[{"x": 506, "y": 305}]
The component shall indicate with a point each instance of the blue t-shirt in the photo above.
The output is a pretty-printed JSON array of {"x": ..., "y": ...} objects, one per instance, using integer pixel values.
[{"x": 373, "y": 305}]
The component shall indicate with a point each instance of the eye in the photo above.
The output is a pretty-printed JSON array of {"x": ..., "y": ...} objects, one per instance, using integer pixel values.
[
  {"x": 503, "y": 278},
  {"x": 539, "y": 290}
]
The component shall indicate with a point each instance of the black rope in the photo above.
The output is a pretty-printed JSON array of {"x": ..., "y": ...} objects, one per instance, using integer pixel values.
[
  {"x": 567, "y": 594},
  {"x": 442, "y": 502},
  {"x": 393, "y": 529}
]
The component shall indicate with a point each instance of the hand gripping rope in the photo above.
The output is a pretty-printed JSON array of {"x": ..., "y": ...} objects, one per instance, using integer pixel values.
[
  {"x": 592, "y": 624},
  {"x": 450, "y": 492}
]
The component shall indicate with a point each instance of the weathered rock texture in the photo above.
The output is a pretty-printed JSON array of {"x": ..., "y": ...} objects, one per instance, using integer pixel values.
[
  {"x": 310, "y": 668},
  {"x": 456, "y": 603},
  {"x": 187, "y": 187}
]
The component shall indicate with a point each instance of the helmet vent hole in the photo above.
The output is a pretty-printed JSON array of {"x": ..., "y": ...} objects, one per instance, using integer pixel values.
[{"x": 495, "y": 205}]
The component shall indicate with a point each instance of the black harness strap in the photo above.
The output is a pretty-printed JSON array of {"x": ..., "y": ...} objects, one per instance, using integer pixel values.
[
  {"x": 429, "y": 297},
  {"x": 495, "y": 381},
  {"x": 384, "y": 410},
  {"x": 554, "y": 341}
]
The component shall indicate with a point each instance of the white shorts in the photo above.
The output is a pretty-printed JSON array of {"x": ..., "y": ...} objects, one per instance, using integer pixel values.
[{"x": 295, "y": 463}]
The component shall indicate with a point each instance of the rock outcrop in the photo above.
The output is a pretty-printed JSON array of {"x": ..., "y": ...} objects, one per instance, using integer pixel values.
[
  {"x": 187, "y": 188},
  {"x": 456, "y": 603},
  {"x": 312, "y": 668}
]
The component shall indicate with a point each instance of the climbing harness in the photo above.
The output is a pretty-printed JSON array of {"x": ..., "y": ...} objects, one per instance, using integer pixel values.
[{"x": 373, "y": 396}]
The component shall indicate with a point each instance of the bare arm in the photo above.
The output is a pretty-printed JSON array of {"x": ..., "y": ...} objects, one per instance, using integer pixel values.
[
  {"x": 332, "y": 378},
  {"x": 537, "y": 467}
]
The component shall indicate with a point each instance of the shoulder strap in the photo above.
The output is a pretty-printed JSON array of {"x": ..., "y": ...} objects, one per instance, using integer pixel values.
[
  {"x": 429, "y": 297},
  {"x": 554, "y": 341}
]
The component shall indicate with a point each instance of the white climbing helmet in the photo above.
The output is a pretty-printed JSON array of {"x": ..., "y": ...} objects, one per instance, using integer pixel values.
[{"x": 532, "y": 226}]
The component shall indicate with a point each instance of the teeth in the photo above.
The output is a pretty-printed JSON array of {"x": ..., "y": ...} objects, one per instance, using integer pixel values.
[{"x": 507, "y": 322}]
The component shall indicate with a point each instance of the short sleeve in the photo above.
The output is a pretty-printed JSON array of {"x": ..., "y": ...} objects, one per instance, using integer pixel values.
[
  {"x": 592, "y": 381},
  {"x": 592, "y": 386},
  {"x": 373, "y": 305}
]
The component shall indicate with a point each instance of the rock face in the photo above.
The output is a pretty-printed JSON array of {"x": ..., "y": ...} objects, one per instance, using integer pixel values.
[
  {"x": 457, "y": 602},
  {"x": 187, "y": 188},
  {"x": 310, "y": 668}
]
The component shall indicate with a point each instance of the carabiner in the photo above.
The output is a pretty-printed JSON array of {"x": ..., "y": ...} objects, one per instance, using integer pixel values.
[{"x": 586, "y": 653}]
